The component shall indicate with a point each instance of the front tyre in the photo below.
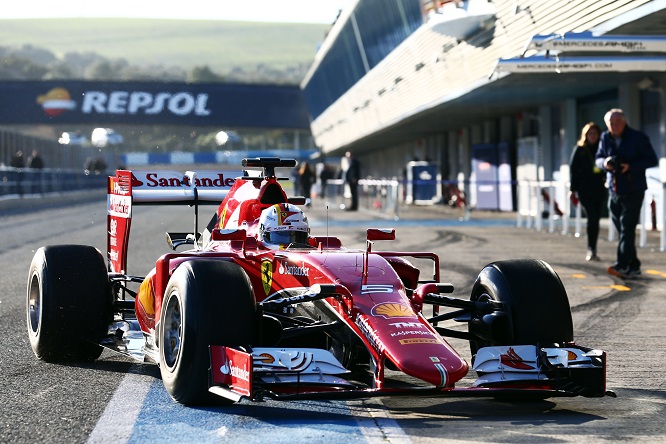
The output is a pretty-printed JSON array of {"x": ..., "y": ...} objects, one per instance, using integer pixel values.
[
  {"x": 537, "y": 307},
  {"x": 69, "y": 303},
  {"x": 207, "y": 302}
]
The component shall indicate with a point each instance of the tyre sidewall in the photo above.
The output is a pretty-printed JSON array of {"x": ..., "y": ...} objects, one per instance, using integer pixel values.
[
  {"x": 75, "y": 300},
  {"x": 217, "y": 307},
  {"x": 538, "y": 306}
]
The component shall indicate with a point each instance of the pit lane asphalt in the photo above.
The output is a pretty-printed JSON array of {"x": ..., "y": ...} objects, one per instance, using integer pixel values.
[{"x": 63, "y": 403}]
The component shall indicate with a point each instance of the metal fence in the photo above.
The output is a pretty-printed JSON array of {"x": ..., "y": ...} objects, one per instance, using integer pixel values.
[
  {"x": 379, "y": 195},
  {"x": 538, "y": 203},
  {"x": 17, "y": 182}
]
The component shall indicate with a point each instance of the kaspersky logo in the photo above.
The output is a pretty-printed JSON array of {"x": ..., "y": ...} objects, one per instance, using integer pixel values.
[{"x": 58, "y": 100}]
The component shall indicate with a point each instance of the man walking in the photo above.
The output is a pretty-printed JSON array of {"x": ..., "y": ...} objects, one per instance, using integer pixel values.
[
  {"x": 625, "y": 153},
  {"x": 351, "y": 175}
]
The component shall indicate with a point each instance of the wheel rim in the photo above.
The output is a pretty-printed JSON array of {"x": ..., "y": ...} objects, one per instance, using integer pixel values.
[
  {"x": 475, "y": 345},
  {"x": 172, "y": 337},
  {"x": 34, "y": 305},
  {"x": 485, "y": 297}
]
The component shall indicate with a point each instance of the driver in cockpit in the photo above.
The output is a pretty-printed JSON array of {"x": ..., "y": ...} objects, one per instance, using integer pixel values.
[{"x": 283, "y": 225}]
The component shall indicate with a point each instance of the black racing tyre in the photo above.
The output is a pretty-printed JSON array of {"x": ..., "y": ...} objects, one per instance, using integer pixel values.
[
  {"x": 538, "y": 307},
  {"x": 207, "y": 302},
  {"x": 69, "y": 303}
]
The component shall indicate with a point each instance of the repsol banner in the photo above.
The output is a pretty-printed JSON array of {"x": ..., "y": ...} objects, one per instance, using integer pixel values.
[{"x": 152, "y": 103}]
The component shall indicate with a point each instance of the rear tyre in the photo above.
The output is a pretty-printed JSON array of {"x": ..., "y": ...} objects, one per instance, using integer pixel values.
[
  {"x": 538, "y": 309},
  {"x": 69, "y": 303},
  {"x": 207, "y": 302}
]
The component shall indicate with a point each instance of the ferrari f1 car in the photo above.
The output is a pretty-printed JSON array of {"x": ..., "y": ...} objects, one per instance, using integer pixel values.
[{"x": 258, "y": 307}]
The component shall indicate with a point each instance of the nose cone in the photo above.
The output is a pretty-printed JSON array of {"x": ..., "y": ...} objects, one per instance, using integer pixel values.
[
  {"x": 429, "y": 359},
  {"x": 408, "y": 341}
]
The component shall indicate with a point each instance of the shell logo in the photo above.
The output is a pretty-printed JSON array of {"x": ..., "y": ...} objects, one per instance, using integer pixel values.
[
  {"x": 265, "y": 358},
  {"x": 390, "y": 310},
  {"x": 56, "y": 101}
]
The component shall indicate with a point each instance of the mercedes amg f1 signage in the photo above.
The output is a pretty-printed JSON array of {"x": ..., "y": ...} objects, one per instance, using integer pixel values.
[
  {"x": 587, "y": 42},
  {"x": 539, "y": 64},
  {"x": 612, "y": 53}
]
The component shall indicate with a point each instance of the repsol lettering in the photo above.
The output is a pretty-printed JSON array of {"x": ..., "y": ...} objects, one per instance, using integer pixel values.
[
  {"x": 153, "y": 181},
  {"x": 140, "y": 102}
]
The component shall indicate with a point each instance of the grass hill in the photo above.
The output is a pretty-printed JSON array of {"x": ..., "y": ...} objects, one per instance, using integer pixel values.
[{"x": 222, "y": 45}]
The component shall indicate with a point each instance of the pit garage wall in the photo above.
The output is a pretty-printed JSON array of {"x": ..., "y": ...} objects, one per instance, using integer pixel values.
[
  {"x": 429, "y": 68},
  {"x": 448, "y": 69}
]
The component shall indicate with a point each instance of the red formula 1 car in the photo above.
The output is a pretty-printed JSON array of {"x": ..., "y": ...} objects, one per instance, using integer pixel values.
[{"x": 261, "y": 308}]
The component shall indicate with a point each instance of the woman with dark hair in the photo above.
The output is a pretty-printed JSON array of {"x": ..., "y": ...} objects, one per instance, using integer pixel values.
[{"x": 587, "y": 183}]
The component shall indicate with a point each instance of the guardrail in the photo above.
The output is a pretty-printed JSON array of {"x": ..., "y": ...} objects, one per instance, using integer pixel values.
[
  {"x": 21, "y": 181},
  {"x": 537, "y": 202},
  {"x": 380, "y": 195}
]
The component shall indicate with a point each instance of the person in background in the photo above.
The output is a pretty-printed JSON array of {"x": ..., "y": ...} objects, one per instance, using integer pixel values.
[
  {"x": 351, "y": 175},
  {"x": 324, "y": 176},
  {"x": 294, "y": 179},
  {"x": 35, "y": 160},
  {"x": 587, "y": 183},
  {"x": 306, "y": 178},
  {"x": 625, "y": 153},
  {"x": 17, "y": 160},
  {"x": 18, "y": 163}
]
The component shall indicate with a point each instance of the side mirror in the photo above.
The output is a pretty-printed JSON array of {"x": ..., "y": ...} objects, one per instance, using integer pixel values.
[
  {"x": 175, "y": 240},
  {"x": 374, "y": 234},
  {"x": 296, "y": 200}
]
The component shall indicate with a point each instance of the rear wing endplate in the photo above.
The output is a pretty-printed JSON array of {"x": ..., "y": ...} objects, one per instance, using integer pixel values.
[{"x": 130, "y": 188}]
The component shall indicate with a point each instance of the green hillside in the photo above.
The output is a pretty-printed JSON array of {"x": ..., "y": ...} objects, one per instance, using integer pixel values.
[{"x": 221, "y": 45}]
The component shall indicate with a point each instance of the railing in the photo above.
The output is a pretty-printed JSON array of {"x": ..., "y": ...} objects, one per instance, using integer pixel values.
[
  {"x": 379, "y": 195},
  {"x": 537, "y": 202},
  {"x": 17, "y": 182}
]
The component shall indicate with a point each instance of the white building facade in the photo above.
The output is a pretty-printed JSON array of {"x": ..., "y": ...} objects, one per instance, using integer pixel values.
[{"x": 493, "y": 92}]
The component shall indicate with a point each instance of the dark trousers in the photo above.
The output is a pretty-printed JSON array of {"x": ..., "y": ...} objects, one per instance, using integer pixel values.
[
  {"x": 593, "y": 206},
  {"x": 625, "y": 213},
  {"x": 353, "y": 189}
]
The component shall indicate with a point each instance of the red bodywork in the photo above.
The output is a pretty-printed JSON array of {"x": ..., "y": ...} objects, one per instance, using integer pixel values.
[
  {"x": 376, "y": 308},
  {"x": 376, "y": 296}
]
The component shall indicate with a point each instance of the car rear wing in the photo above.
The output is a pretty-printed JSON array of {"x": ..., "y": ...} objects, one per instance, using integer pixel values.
[{"x": 128, "y": 188}]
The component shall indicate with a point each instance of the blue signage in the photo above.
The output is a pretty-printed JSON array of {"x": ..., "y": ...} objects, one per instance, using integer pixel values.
[{"x": 153, "y": 103}]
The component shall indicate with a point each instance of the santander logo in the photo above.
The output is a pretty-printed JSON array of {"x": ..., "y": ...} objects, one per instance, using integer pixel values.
[
  {"x": 148, "y": 180},
  {"x": 294, "y": 270},
  {"x": 224, "y": 369},
  {"x": 230, "y": 369}
]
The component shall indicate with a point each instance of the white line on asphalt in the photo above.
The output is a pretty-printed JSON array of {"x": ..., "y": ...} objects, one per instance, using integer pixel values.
[
  {"x": 377, "y": 426},
  {"x": 117, "y": 421}
]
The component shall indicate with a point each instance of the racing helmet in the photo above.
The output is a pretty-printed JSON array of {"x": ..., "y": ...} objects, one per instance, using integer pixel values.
[{"x": 283, "y": 224}]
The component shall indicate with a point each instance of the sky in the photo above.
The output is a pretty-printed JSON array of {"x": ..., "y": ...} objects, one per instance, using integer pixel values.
[{"x": 301, "y": 11}]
